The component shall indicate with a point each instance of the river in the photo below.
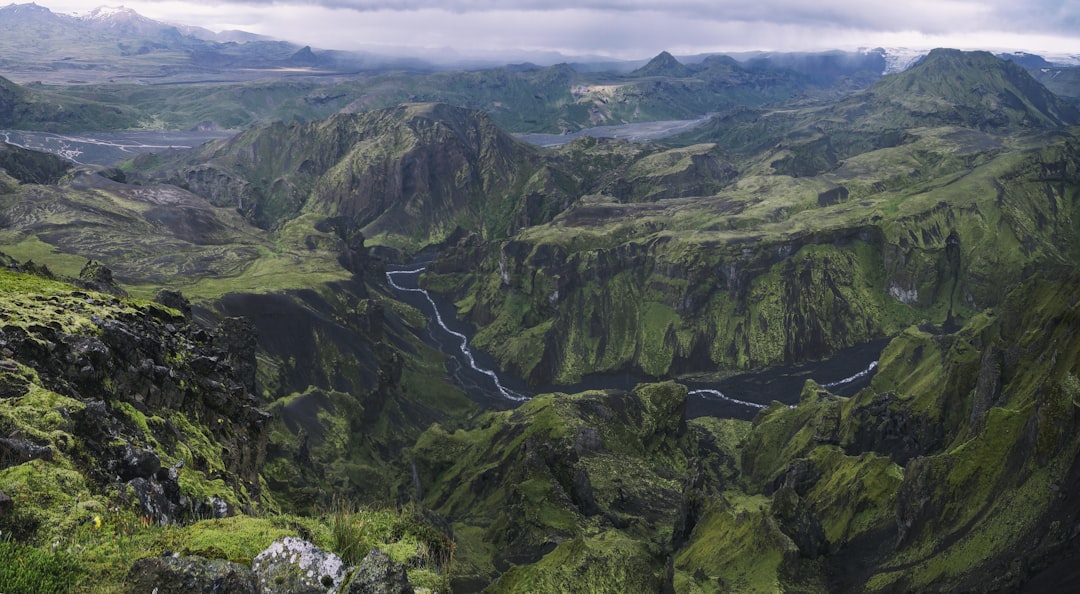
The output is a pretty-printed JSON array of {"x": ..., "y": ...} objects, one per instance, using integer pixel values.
[
  {"x": 107, "y": 148},
  {"x": 636, "y": 132},
  {"x": 112, "y": 148},
  {"x": 739, "y": 396}
]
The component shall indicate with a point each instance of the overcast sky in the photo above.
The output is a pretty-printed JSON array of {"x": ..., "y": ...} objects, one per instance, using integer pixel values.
[{"x": 632, "y": 29}]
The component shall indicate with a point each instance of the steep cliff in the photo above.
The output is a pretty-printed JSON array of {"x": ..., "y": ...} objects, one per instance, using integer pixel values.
[{"x": 736, "y": 281}]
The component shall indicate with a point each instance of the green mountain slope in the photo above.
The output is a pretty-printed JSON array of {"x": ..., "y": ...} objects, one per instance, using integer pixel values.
[
  {"x": 341, "y": 364},
  {"x": 39, "y": 109},
  {"x": 977, "y": 90},
  {"x": 773, "y": 269},
  {"x": 948, "y": 88},
  {"x": 414, "y": 175},
  {"x": 946, "y": 474},
  {"x": 664, "y": 64}
]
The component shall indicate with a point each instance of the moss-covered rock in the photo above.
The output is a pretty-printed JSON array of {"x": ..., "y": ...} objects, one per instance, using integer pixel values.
[{"x": 106, "y": 394}]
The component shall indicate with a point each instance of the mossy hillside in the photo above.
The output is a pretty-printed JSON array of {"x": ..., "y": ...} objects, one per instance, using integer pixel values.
[
  {"x": 30, "y": 167},
  {"x": 953, "y": 498},
  {"x": 858, "y": 498},
  {"x": 938, "y": 248},
  {"x": 41, "y": 108},
  {"x": 69, "y": 497},
  {"x": 411, "y": 176},
  {"x": 974, "y": 90},
  {"x": 986, "y": 244},
  {"x": 737, "y": 545},
  {"x": 555, "y": 470},
  {"x": 659, "y": 305},
  {"x": 925, "y": 371},
  {"x": 376, "y": 170},
  {"x": 191, "y": 426},
  {"x": 997, "y": 493},
  {"x": 350, "y": 383},
  {"x": 202, "y": 250},
  {"x": 607, "y": 562},
  {"x": 317, "y": 323}
]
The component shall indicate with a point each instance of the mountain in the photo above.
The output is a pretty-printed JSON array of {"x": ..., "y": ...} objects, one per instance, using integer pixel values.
[
  {"x": 126, "y": 23},
  {"x": 914, "y": 240},
  {"x": 664, "y": 64},
  {"x": 41, "y": 109},
  {"x": 977, "y": 89},
  {"x": 398, "y": 175},
  {"x": 948, "y": 88},
  {"x": 413, "y": 176},
  {"x": 114, "y": 45}
]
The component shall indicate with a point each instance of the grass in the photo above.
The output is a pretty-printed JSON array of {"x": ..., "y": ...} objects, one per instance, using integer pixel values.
[
  {"x": 737, "y": 545},
  {"x": 27, "y": 569}
]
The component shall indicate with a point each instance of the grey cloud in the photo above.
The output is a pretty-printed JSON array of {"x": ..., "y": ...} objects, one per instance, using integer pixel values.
[
  {"x": 930, "y": 16},
  {"x": 853, "y": 13}
]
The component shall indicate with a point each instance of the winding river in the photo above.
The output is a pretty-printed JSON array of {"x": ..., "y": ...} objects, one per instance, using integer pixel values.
[{"x": 740, "y": 396}]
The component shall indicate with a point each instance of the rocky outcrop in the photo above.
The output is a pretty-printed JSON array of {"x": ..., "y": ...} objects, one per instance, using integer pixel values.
[
  {"x": 288, "y": 566},
  {"x": 95, "y": 276},
  {"x": 173, "y": 574},
  {"x": 155, "y": 403},
  {"x": 294, "y": 566},
  {"x": 377, "y": 573}
]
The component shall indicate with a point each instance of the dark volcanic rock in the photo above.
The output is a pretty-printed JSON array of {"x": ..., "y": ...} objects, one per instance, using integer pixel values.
[
  {"x": 97, "y": 277},
  {"x": 17, "y": 451},
  {"x": 174, "y": 300},
  {"x": 896, "y": 431},
  {"x": 377, "y": 573},
  {"x": 186, "y": 575},
  {"x": 141, "y": 360},
  {"x": 800, "y": 523}
]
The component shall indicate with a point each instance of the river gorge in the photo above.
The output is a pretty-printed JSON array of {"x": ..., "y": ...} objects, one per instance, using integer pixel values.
[{"x": 735, "y": 396}]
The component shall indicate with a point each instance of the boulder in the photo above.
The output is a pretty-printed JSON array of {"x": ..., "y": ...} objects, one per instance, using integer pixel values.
[
  {"x": 294, "y": 566},
  {"x": 170, "y": 574},
  {"x": 377, "y": 573},
  {"x": 174, "y": 300},
  {"x": 97, "y": 277},
  {"x": 16, "y": 451}
]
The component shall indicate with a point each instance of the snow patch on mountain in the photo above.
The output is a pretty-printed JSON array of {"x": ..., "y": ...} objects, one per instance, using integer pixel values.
[
  {"x": 104, "y": 13},
  {"x": 900, "y": 59}
]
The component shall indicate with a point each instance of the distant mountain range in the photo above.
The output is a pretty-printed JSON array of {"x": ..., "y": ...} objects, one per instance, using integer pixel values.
[{"x": 120, "y": 45}]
